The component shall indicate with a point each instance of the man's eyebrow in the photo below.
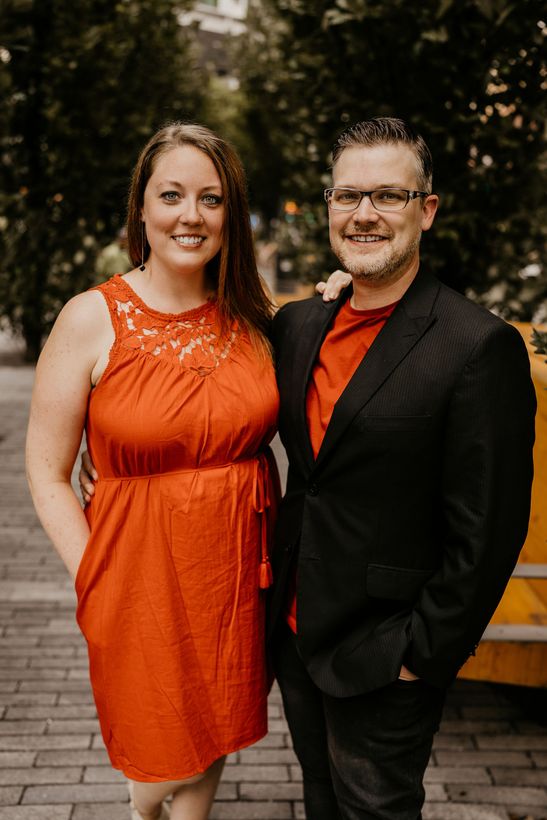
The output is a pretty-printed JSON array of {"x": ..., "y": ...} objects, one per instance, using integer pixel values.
[{"x": 376, "y": 187}]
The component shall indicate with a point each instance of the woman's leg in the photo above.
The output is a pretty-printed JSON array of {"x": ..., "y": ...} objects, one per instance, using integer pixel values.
[
  {"x": 147, "y": 798},
  {"x": 192, "y": 797},
  {"x": 193, "y": 801}
]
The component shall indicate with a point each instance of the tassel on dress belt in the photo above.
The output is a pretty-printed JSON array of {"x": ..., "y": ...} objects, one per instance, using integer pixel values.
[{"x": 261, "y": 503}]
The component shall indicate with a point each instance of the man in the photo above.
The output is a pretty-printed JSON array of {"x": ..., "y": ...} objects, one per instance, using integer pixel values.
[
  {"x": 113, "y": 258},
  {"x": 407, "y": 413}
]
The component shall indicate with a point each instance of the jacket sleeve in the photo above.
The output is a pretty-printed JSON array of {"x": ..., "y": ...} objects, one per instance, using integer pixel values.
[
  {"x": 277, "y": 326},
  {"x": 485, "y": 504}
]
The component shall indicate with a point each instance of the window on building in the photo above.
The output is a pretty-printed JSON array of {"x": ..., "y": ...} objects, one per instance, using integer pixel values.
[{"x": 209, "y": 3}]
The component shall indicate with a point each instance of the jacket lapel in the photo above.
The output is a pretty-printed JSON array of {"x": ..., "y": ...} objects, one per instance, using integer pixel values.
[
  {"x": 311, "y": 335},
  {"x": 409, "y": 321}
]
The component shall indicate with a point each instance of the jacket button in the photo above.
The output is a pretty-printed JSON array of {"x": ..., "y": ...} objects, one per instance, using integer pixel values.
[{"x": 313, "y": 489}]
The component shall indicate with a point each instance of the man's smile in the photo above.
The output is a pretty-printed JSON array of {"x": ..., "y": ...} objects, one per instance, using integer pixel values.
[{"x": 365, "y": 238}]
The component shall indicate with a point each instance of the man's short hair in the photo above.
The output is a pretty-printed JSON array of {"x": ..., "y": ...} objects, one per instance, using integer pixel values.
[{"x": 382, "y": 130}]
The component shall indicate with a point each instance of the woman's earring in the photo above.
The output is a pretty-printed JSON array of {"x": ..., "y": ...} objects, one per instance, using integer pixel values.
[{"x": 142, "y": 265}]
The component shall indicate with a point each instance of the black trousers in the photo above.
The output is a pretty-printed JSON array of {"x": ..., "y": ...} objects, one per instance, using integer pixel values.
[{"x": 363, "y": 757}]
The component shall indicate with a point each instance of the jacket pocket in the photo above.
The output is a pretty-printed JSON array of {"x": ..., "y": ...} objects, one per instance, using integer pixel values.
[{"x": 395, "y": 583}]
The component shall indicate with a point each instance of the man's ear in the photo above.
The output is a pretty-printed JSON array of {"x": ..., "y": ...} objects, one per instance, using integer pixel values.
[{"x": 429, "y": 209}]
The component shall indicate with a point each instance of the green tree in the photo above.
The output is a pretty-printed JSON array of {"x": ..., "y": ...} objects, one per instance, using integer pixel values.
[
  {"x": 83, "y": 86},
  {"x": 468, "y": 74}
]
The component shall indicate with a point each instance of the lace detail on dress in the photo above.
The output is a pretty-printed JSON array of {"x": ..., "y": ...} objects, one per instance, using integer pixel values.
[{"x": 193, "y": 338}]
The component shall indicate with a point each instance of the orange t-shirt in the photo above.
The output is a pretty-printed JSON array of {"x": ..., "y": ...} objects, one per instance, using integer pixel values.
[{"x": 345, "y": 345}]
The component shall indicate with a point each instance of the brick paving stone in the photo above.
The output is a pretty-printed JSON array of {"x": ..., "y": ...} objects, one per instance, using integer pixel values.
[
  {"x": 78, "y": 674},
  {"x": 14, "y": 663},
  {"x": 53, "y": 686},
  {"x": 103, "y": 774},
  {"x": 33, "y": 777},
  {"x": 14, "y": 760},
  {"x": 89, "y": 757},
  {"x": 483, "y": 758},
  {"x": 272, "y": 741},
  {"x": 461, "y": 811},
  {"x": 458, "y": 774},
  {"x": 51, "y": 712},
  {"x": 526, "y": 727},
  {"x": 59, "y": 662},
  {"x": 68, "y": 698},
  {"x": 518, "y": 812},
  {"x": 460, "y": 742},
  {"x": 69, "y": 727},
  {"x": 474, "y": 727},
  {"x": 270, "y": 791},
  {"x": 100, "y": 811},
  {"x": 33, "y": 677},
  {"x": 519, "y": 777},
  {"x": 22, "y": 727},
  {"x": 267, "y": 756},
  {"x": 76, "y": 793},
  {"x": 495, "y": 712},
  {"x": 228, "y": 791},
  {"x": 10, "y": 795},
  {"x": 267, "y": 774},
  {"x": 525, "y": 742},
  {"x": 435, "y": 792},
  {"x": 504, "y": 795},
  {"x": 9, "y": 743},
  {"x": 39, "y": 813},
  {"x": 251, "y": 811}
]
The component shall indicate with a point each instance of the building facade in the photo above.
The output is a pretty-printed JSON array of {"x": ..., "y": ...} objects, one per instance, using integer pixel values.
[{"x": 218, "y": 17}]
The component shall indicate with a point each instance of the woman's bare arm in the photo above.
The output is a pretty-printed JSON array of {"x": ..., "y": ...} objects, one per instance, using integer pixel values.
[{"x": 57, "y": 416}]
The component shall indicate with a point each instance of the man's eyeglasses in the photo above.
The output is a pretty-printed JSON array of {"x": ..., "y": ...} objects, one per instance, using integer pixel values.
[{"x": 383, "y": 199}]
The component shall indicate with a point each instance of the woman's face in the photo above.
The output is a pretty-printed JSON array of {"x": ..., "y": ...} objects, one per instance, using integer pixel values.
[{"x": 183, "y": 211}]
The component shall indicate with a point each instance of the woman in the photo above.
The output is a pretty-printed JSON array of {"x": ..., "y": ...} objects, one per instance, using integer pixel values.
[{"x": 169, "y": 369}]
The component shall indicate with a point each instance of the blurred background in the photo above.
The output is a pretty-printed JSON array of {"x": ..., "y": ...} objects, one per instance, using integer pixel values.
[{"x": 83, "y": 85}]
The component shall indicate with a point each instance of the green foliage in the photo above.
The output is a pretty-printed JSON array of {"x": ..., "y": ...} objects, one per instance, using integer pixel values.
[
  {"x": 83, "y": 86},
  {"x": 539, "y": 341},
  {"x": 468, "y": 74}
]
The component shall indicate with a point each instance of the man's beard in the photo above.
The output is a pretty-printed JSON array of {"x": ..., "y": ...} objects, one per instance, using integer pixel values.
[{"x": 380, "y": 270}]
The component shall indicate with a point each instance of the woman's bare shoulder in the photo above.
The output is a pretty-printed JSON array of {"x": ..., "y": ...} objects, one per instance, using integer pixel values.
[{"x": 84, "y": 313}]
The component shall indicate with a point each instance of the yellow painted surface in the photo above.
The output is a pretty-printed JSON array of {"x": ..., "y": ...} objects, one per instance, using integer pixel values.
[
  {"x": 525, "y": 601},
  {"x": 303, "y": 291}
]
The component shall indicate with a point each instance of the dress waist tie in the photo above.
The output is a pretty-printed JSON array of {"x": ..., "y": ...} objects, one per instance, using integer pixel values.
[{"x": 262, "y": 503}]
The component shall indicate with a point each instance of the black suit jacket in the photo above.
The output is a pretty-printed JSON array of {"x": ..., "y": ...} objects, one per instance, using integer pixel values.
[{"x": 407, "y": 526}]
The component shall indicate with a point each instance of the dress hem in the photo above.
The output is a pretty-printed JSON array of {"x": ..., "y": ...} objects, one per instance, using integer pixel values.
[{"x": 142, "y": 777}]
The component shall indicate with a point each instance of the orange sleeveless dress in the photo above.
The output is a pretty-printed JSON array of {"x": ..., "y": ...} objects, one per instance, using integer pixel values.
[{"x": 169, "y": 596}]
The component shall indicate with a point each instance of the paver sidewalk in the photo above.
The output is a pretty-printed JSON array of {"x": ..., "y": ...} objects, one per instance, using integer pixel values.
[{"x": 489, "y": 760}]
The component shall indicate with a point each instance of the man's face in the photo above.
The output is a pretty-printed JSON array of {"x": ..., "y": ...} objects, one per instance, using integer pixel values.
[{"x": 373, "y": 245}]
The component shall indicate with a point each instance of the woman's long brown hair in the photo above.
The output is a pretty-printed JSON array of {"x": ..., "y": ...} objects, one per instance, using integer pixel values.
[{"x": 232, "y": 273}]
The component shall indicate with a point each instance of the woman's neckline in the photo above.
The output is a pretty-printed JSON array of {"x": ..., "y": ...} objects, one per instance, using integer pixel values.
[{"x": 187, "y": 314}]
